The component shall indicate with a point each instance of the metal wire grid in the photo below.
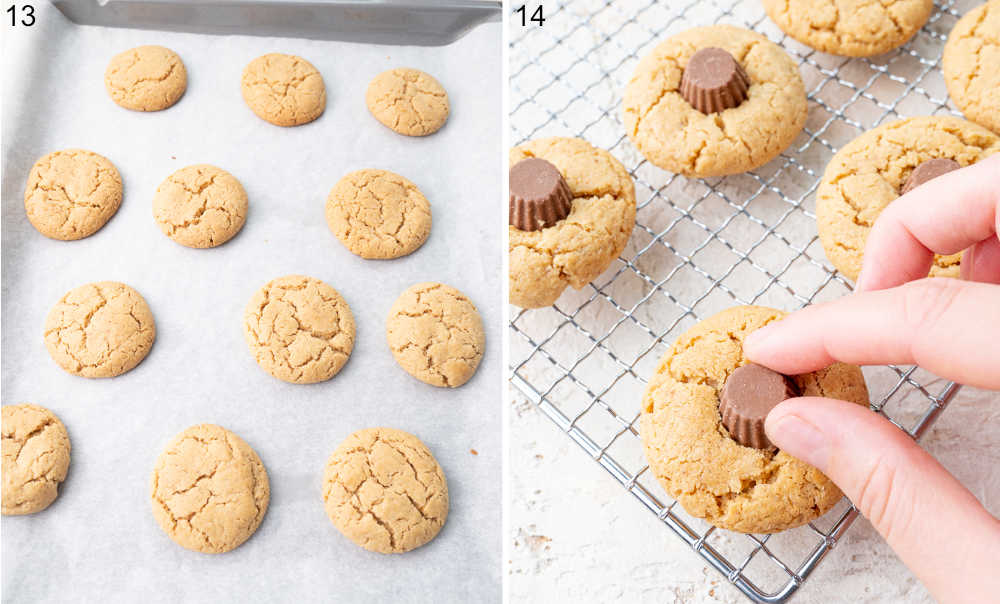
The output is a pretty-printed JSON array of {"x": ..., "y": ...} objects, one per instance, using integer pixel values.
[{"x": 700, "y": 246}]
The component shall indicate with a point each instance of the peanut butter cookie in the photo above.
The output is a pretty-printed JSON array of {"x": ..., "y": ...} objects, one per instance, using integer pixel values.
[
  {"x": 575, "y": 249},
  {"x": 408, "y": 101},
  {"x": 209, "y": 490},
  {"x": 970, "y": 64},
  {"x": 100, "y": 330},
  {"x": 71, "y": 194},
  {"x": 285, "y": 90},
  {"x": 852, "y": 28},
  {"x": 436, "y": 334},
  {"x": 697, "y": 461},
  {"x": 869, "y": 173},
  {"x": 384, "y": 491},
  {"x": 146, "y": 78},
  {"x": 674, "y": 135},
  {"x": 378, "y": 214},
  {"x": 35, "y": 458},
  {"x": 200, "y": 206},
  {"x": 299, "y": 329}
]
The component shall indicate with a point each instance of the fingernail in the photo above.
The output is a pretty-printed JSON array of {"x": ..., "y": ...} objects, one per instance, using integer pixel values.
[
  {"x": 799, "y": 438},
  {"x": 966, "y": 270}
]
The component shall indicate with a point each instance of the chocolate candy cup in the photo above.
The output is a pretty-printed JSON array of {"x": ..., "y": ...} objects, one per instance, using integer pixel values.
[
  {"x": 747, "y": 397},
  {"x": 714, "y": 81},
  {"x": 539, "y": 195},
  {"x": 928, "y": 170}
]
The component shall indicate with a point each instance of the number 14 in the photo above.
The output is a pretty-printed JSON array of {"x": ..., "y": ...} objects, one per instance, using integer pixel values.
[{"x": 536, "y": 17}]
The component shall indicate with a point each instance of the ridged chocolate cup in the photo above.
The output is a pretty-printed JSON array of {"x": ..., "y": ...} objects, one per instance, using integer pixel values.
[
  {"x": 747, "y": 397},
  {"x": 928, "y": 170},
  {"x": 539, "y": 195},
  {"x": 714, "y": 81}
]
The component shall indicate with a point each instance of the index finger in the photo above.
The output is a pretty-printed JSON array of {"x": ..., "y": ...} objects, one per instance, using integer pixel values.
[
  {"x": 943, "y": 216},
  {"x": 947, "y": 326}
]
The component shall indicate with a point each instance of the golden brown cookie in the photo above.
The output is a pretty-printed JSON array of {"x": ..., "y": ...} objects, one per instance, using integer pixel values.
[
  {"x": 100, "y": 330},
  {"x": 408, "y": 101},
  {"x": 694, "y": 457},
  {"x": 71, "y": 194},
  {"x": 385, "y": 491},
  {"x": 675, "y": 136},
  {"x": 868, "y": 173},
  {"x": 146, "y": 78},
  {"x": 578, "y": 248},
  {"x": 970, "y": 62},
  {"x": 852, "y": 28},
  {"x": 35, "y": 458},
  {"x": 200, "y": 206},
  {"x": 209, "y": 490},
  {"x": 299, "y": 329},
  {"x": 378, "y": 214},
  {"x": 436, "y": 334},
  {"x": 285, "y": 90}
]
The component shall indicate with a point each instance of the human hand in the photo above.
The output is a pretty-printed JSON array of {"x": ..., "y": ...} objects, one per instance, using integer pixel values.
[{"x": 948, "y": 326}]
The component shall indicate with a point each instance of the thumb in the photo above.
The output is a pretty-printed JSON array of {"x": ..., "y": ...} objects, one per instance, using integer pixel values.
[{"x": 935, "y": 525}]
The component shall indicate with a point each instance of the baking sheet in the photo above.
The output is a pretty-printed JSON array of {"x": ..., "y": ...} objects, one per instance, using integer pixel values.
[
  {"x": 397, "y": 22},
  {"x": 98, "y": 541}
]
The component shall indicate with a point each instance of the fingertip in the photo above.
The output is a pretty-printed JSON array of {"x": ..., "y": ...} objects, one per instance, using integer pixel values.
[
  {"x": 777, "y": 415},
  {"x": 754, "y": 344},
  {"x": 796, "y": 435},
  {"x": 792, "y": 345},
  {"x": 981, "y": 262},
  {"x": 872, "y": 276},
  {"x": 864, "y": 282}
]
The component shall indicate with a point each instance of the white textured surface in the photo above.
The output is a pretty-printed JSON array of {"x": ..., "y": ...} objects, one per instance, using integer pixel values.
[{"x": 577, "y": 535}]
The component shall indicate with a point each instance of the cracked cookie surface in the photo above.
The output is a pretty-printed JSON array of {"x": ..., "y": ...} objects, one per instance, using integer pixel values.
[
  {"x": 284, "y": 90},
  {"x": 675, "y": 136},
  {"x": 384, "y": 491},
  {"x": 692, "y": 454},
  {"x": 72, "y": 193},
  {"x": 578, "y": 248},
  {"x": 970, "y": 64},
  {"x": 299, "y": 329},
  {"x": 408, "y": 101},
  {"x": 436, "y": 334},
  {"x": 852, "y": 28},
  {"x": 867, "y": 174},
  {"x": 200, "y": 206},
  {"x": 209, "y": 490},
  {"x": 146, "y": 78},
  {"x": 35, "y": 458},
  {"x": 100, "y": 330},
  {"x": 378, "y": 214}
]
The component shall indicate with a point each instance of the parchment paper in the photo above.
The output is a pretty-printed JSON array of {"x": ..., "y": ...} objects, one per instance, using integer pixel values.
[{"x": 98, "y": 542}]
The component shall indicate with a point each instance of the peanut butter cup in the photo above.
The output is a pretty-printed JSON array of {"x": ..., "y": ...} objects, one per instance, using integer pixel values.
[
  {"x": 750, "y": 392},
  {"x": 714, "y": 81},
  {"x": 928, "y": 170},
  {"x": 539, "y": 195}
]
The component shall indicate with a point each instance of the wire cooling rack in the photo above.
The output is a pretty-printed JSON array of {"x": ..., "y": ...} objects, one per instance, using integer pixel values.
[{"x": 700, "y": 246}]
